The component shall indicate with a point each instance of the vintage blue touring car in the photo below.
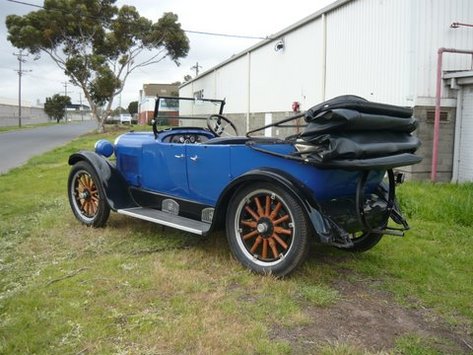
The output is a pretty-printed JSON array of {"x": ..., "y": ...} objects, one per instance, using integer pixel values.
[{"x": 333, "y": 179}]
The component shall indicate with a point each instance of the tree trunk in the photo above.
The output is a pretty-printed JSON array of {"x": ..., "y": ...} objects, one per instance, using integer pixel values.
[
  {"x": 96, "y": 117},
  {"x": 93, "y": 106},
  {"x": 100, "y": 122},
  {"x": 100, "y": 126}
]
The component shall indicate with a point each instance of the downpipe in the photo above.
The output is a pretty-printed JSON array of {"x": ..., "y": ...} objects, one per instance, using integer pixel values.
[{"x": 438, "y": 94}]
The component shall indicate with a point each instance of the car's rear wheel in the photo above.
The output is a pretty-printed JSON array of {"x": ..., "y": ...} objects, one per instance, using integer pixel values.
[
  {"x": 363, "y": 241},
  {"x": 87, "y": 196},
  {"x": 267, "y": 229}
]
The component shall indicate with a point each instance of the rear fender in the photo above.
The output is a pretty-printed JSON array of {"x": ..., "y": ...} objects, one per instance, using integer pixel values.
[
  {"x": 115, "y": 187},
  {"x": 290, "y": 184}
]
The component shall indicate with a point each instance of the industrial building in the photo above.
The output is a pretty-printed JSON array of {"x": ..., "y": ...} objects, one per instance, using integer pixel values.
[
  {"x": 383, "y": 50},
  {"x": 147, "y": 99}
]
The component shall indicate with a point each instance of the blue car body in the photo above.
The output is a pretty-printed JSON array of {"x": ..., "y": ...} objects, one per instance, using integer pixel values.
[{"x": 200, "y": 172}]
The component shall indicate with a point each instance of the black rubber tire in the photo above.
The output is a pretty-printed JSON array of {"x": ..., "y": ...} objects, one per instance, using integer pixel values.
[
  {"x": 364, "y": 242},
  {"x": 297, "y": 241},
  {"x": 96, "y": 204}
]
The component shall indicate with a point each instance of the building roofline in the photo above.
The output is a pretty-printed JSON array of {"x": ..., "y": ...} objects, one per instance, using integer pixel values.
[
  {"x": 458, "y": 74},
  {"x": 277, "y": 35}
]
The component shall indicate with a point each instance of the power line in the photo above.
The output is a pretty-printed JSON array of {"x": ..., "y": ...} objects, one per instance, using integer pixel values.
[
  {"x": 223, "y": 35},
  {"x": 215, "y": 34},
  {"x": 26, "y": 3}
]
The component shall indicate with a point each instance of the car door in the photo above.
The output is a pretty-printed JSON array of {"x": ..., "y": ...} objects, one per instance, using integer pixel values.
[
  {"x": 164, "y": 169},
  {"x": 208, "y": 171}
]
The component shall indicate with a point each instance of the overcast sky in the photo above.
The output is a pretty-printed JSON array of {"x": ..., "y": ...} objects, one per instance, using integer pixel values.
[{"x": 242, "y": 17}]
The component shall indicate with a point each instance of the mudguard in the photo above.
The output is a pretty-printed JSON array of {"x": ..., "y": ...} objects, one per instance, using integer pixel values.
[
  {"x": 296, "y": 188},
  {"x": 115, "y": 186}
]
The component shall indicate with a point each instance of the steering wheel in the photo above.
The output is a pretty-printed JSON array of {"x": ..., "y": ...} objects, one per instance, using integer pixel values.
[{"x": 218, "y": 125}]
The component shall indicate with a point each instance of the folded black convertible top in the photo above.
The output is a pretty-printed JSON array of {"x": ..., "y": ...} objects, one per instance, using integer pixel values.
[
  {"x": 337, "y": 120},
  {"x": 349, "y": 132},
  {"x": 359, "y": 104}
]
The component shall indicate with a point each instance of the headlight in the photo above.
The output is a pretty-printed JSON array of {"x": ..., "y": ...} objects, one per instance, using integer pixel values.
[{"x": 104, "y": 147}]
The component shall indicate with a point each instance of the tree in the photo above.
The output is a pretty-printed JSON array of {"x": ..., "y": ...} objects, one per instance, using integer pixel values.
[
  {"x": 97, "y": 44},
  {"x": 118, "y": 111},
  {"x": 55, "y": 107},
  {"x": 133, "y": 107}
]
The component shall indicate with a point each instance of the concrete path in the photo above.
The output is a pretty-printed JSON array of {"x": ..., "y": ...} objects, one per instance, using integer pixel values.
[{"x": 16, "y": 147}]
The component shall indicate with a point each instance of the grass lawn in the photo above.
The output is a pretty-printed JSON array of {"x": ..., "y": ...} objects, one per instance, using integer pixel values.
[
  {"x": 137, "y": 288},
  {"x": 23, "y": 126}
]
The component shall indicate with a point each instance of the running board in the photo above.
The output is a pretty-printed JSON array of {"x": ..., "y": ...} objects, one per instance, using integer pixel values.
[{"x": 167, "y": 219}]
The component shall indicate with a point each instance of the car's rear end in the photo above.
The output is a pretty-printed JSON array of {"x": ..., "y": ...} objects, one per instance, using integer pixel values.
[{"x": 353, "y": 147}]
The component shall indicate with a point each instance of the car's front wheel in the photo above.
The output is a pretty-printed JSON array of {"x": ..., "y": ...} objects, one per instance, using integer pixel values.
[
  {"x": 87, "y": 196},
  {"x": 267, "y": 229}
]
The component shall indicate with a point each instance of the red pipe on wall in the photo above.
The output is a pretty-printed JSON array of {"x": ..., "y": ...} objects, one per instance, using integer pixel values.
[{"x": 438, "y": 94}]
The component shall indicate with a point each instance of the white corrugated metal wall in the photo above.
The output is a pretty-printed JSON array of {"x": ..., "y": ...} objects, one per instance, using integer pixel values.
[
  {"x": 384, "y": 50},
  {"x": 268, "y": 80},
  {"x": 233, "y": 84},
  {"x": 368, "y": 54},
  {"x": 292, "y": 74},
  {"x": 432, "y": 31}
]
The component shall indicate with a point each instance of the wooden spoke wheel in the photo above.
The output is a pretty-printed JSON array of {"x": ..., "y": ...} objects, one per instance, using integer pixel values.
[
  {"x": 86, "y": 195},
  {"x": 267, "y": 229}
]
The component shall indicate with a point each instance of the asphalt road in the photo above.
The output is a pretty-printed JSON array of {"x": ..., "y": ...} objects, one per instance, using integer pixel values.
[{"x": 16, "y": 147}]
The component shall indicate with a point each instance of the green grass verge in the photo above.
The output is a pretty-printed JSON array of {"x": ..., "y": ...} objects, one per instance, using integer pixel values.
[
  {"x": 434, "y": 261},
  {"x": 405, "y": 345},
  {"x": 27, "y": 126},
  {"x": 134, "y": 287}
]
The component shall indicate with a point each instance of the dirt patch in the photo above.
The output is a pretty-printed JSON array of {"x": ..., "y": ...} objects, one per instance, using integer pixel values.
[{"x": 370, "y": 319}]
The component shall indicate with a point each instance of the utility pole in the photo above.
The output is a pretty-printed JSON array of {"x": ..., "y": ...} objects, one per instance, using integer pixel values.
[
  {"x": 20, "y": 72},
  {"x": 81, "y": 108},
  {"x": 196, "y": 68},
  {"x": 65, "y": 94}
]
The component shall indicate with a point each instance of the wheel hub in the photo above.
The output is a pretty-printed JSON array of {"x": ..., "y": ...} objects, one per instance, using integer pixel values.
[
  {"x": 84, "y": 194},
  {"x": 262, "y": 228},
  {"x": 265, "y": 227}
]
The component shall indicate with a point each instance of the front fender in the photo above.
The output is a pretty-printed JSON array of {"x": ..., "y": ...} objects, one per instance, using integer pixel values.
[
  {"x": 288, "y": 182},
  {"x": 115, "y": 187}
]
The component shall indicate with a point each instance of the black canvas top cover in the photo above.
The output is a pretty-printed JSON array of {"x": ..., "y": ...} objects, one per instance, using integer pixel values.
[
  {"x": 361, "y": 145},
  {"x": 349, "y": 132},
  {"x": 359, "y": 104},
  {"x": 344, "y": 119},
  {"x": 378, "y": 163}
]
